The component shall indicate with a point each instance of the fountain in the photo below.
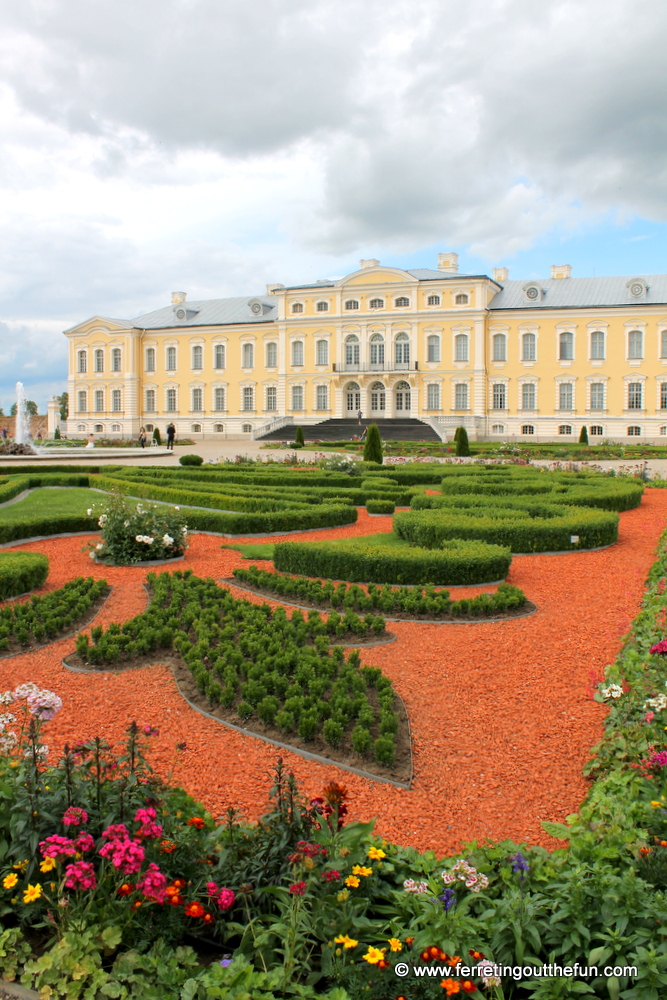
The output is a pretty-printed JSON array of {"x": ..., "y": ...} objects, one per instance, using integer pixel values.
[{"x": 21, "y": 444}]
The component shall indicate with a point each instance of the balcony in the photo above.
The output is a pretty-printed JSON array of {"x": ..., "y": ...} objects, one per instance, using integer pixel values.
[{"x": 363, "y": 367}]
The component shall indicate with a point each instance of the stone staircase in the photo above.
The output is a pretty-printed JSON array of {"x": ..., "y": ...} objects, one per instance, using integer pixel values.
[{"x": 342, "y": 429}]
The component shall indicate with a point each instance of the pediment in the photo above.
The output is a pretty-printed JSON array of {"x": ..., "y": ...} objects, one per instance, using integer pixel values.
[
  {"x": 378, "y": 276},
  {"x": 99, "y": 324}
]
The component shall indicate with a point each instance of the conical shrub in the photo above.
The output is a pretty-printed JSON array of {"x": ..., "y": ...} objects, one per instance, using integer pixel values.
[
  {"x": 462, "y": 446},
  {"x": 583, "y": 437},
  {"x": 373, "y": 445}
]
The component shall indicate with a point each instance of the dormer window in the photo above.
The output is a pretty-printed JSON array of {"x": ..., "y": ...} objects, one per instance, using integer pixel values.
[
  {"x": 401, "y": 302},
  {"x": 376, "y": 304},
  {"x": 297, "y": 307},
  {"x": 351, "y": 304},
  {"x": 532, "y": 292},
  {"x": 322, "y": 307},
  {"x": 433, "y": 300},
  {"x": 461, "y": 299},
  {"x": 637, "y": 288}
]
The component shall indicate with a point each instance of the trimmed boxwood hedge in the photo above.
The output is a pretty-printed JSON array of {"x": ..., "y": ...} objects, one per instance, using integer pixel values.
[
  {"x": 456, "y": 562},
  {"x": 380, "y": 506},
  {"x": 32, "y": 527},
  {"x": 190, "y": 498},
  {"x": 21, "y": 572}
]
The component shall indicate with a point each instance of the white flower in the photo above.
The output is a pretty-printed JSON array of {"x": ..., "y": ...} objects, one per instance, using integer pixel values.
[
  {"x": 6, "y": 698},
  {"x": 6, "y": 719},
  {"x": 99, "y": 546},
  {"x": 126, "y": 524},
  {"x": 167, "y": 540},
  {"x": 92, "y": 555},
  {"x": 89, "y": 511},
  {"x": 657, "y": 704},
  {"x": 612, "y": 691},
  {"x": 148, "y": 540},
  {"x": 177, "y": 508},
  {"x": 185, "y": 530},
  {"x": 102, "y": 520},
  {"x": 138, "y": 538}
]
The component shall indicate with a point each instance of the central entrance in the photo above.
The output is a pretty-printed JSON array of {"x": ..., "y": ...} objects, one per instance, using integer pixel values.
[{"x": 378, "y": 400}]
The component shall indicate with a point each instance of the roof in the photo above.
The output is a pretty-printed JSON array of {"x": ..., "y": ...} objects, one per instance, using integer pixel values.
[
  {"x": 576, "y": 293},
  {"x": 428, "y": 274},
  {"x": 211, "y": 312}
]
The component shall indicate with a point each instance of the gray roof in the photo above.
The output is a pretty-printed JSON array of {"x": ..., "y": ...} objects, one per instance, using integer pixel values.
[
  {"x": 210, "y": 312},
  {"x": 428, "y": 274},
  {"x": 577, "y": 293}
]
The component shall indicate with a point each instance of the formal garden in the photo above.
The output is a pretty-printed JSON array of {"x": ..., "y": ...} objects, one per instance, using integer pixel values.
[{"x": 384, "y": 732}]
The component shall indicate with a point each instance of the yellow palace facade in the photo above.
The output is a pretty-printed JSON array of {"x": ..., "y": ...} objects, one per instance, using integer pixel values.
[{"x": 522, "y": 360}]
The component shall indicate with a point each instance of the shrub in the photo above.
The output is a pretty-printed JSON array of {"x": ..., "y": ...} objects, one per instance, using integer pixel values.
[
  {"x": 361, "y": 739},
  {"x": 384, "y": 749},
  {"x": 298, "y": 436},
  {"x": 373, "y": 445},
  {"x": 21, "y": 572},
  {"x": 190, "y": 460},
  {"x": 380, "y": 507},
  {"x": 156, "y": 436},
  {"x": 56, "y": 434},
  {"x": 462, "y": 445},
  {"x": 583, "y": 437},
  {"x": 332, "y": 733},
  {"x": 136, "y": 534}
]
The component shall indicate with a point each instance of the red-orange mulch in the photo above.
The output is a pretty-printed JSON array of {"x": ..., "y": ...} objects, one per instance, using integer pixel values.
[{"x": 501, "y": 714}]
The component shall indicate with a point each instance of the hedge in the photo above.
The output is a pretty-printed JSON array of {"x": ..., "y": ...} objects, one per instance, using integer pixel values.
[
  {"x": 11, "y": 486},
  {"x": 380, "y": 506},
  {"x": 32, "y": 527},
  {"x": 194, "y": 498},
  {"x": 457, "y": 562},
  {"x": 21, "y": 572}
]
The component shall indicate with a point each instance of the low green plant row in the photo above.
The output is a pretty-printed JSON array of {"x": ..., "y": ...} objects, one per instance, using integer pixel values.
[
  {"x": 11, "y": 486},
  {"x": 303, "y": 478},
  {"x": 403, "y": 600},
  {"x": 259, "y": 663},
  {"x": 380, "y": 506},
  {"x": 43, "y": 618},
  {"x": 21, "y": 572},
  {"x": 193, "y": 497},
  {"x": 58, "y": 524},
  {"x": 457, "y": 562}
]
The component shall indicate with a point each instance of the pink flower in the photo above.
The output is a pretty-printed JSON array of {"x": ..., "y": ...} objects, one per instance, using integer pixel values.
[
  {"x": 649, "y": 717},
  {"x": 298, "y": 889},
  {"x": 153, "y": 883},
  {"x": 84, "y": 842},
  {"x": 80, "y": 876},
  {"x": 148, "y": 827},
  {"x": 660, "y": 647},
  {"x": 126, "y": 856},
  {"x": 212, "y": 889},
  {"x": 75, "y": 816},
  {"x": 227, "y": 898},
  {"x": 56, "y": 846},
  {"x": 331, "y": 876},
  {"x": 115, "y": 832}
]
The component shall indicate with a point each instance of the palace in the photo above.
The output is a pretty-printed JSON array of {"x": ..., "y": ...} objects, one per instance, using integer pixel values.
[{"x": 528, "y": 360}]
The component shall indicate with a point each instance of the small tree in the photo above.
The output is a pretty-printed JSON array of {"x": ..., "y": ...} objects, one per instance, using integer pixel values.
[
  {"x": 373, "y": 445},
  {"x": 456, "y": 434},
  {"x": 30, "y": 408},
  {"x": 63, "y": 400},
  {"x": 156, "y": 436},
  {"x": 583, "y": 437},
  {"x": 56, "y": 434},
  {"x": 461, "y": 438},
  {"x": 298, "y": 436}
]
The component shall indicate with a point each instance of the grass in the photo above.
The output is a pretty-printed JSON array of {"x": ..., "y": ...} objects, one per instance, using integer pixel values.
[
  {"x": 50, "y": 502},
  {"x": 258, "y": 550}
]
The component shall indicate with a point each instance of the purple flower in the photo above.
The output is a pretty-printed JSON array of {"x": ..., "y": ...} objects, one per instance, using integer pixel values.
[
  {"x": 519, "y": 864},
  {"x": 448, "y": 898},
  {"x": 225, "y": 962}
]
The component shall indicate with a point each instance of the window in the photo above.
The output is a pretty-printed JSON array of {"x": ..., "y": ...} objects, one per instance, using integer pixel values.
[
  {"x": 99, "y": 360},
  {"x": 82, "y": 362},
  {"x": 322, "y": 397},
  {"x": 528, "y": 347},
  {"x": 402, "y": 349},
  {"x": 596, "y": 430},
  {"x": 461, "y": 300},
  {"x": 247, "y": 428},
  {"x": 196, "y": 428},
  {"x": 149, "y": 427},
  {"x": 218, "y": 428},
  {"x": 634, "y": 431},
  {"x": 115, "y": 359},
  {"x": 565, "y": 396},
  {"x": 248, "y": 398},
  {"x": 322, "y": 353},
  {"x": 566, "y": 346},
  {"x": 461, "y": 347},
  {"x": 597, "y": 395},
  {"x": 219, "y": 398},
  {"x": 351, "y": 304},
  {"x": 271, "y": 355},
  {"x": 219, "y": 356},
  {"x": 171, "y": 359},
  {"x": 82, "y": 402},
  {"x": 197, "y": 400},
  {"x": 378, "y": 397},
  {"x": 377, "y": 350},
  {"x": 115, "y": 427},
  {"x": 99, "y": 401},
  {"x": 150, "y": 401},
  {"x": 322, "y": 307},
  {"x": 663, "y": 395},
  {"x": 115, "y": 401},
  {"x": 500, "y": 396},
  {"x": 597, "y": 346},
  {"x": 297, "y": 397},
  {"x": 150, "y": 359},
  {"x": 376, "y": 304},
  {"x": 499, "y": 347},
  {"x": 433, "y": 397},
  {"x": 635, "y": 344},
  {"x": 461, "y": 396},
  {"x": 433, "y": 349},
  {"x": 297, "y": 307},
  {"x": 297, "y": 352},
  {"x": 353, "y": 397},
  {"x": 433, "y": 300},
  {"x": 403, "y": 396},
  {"x": 352, "y": 350},
  {"x": 271, "y": 398},
  {"x": 81, "y": 427},
  {"x": 528, "y": 396},
  {"x": 197, "y": 357},
  {"x": 498, "y": 429},
  {"x": 565, "y": 429},
  {"x": 527, "y": 429},
  {"x": 248, "y": 356},
  {"x": 663, "y": 430},
  {"x": 635, "y": 396},
  {"x": 663, "y": 344},
  {"x": 170, "y": 401},
  {"x": 402, "y": 301},
  {"x": 99, "y": 428}
]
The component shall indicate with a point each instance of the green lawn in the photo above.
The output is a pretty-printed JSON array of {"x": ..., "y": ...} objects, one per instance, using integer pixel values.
[
  {"x": 50, "y": 502},
  {"x": 264, "y": 550}
]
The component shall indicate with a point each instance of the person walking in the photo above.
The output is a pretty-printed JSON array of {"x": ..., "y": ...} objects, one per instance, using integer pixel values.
[
  {"x": 359, "y": 414},
  {"x": 142, "y": 437},
  {"x": 171, "y": 434}
]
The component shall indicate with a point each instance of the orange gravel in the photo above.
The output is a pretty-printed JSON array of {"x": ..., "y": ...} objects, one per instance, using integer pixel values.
[{"x": 501, "y": 714}]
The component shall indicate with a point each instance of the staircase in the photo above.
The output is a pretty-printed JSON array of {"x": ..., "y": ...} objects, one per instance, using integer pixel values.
[{"x": 341, "y": 429}]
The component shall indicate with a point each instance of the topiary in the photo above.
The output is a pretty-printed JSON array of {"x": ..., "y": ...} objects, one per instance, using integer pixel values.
[
  {"x": 462, "y": 445},
  {"x": 373, "y": 445},
  {"x": 190, "y": 460},
  {"x": 56, "y": 434},
  {"x": 583, "y": 437},
  {"x": 298, "y": 436},
  {"x": 156, "y": 436}
]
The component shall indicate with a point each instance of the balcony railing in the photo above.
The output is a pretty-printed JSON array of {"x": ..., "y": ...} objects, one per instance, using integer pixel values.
[{"x": 386, "y": 366}]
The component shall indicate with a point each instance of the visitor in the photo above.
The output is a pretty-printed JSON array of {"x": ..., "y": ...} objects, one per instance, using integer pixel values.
[
  {"x": 91, "y": 441},
  {"x": 359, "y": 414},
  {"x": 142, "y": 437},
  {"x": 171, "y": 434},
  {"x": 4, "y": 433}
]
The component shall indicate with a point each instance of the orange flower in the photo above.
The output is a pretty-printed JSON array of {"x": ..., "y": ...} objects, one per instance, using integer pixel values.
[
  {"x": 136, "y": 904},
  {"x": 476, "y": 954},
  {"x": 409, "y": 941},
  {"x": 194, "y": 910},
  {"x": 451, "y": 986},
  {"x": 208, "y": 918},
  {"x": 179, "y": 883},
  {"x": 197, "y": 822},
  {"x": 175, "y": 901},
  {"x": 125, "y": 889},
  {"x": 167, "y": 847},
  {"x": 468, "y": 986},
  {"x": 644, "y": 851}
]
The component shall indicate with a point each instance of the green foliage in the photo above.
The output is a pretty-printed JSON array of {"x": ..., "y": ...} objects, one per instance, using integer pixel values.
[
  {"x": 56, "y": 434},
  {"x": 21, "y": 572},
  {"x": 380, "y": 506},
  {"x": 583, "y": 436},
  {"x": 42, "y": 619},
  {"x": 191, "y": 460},
  {"x": 373, "y": 445},
  {"x": 132, "y": 534},
  {"x": 298, "y": 436},
  {"x": 63, "y": 401},
  {"x": 462, "y": 445},
  {"x": 157, "y": 436}
]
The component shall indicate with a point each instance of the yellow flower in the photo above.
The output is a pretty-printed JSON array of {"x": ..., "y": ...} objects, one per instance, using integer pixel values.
[
  {"x": 32, "y": 893},
  {"x": 342, "y": 896},
  {"x": 9, "y": 881},
  {"x": 374, "y": 955},
  {"x": 21, "y": 865},
  {"x": 656, "y": 805},
  {"x": 47, "y": 865},
  {"x": 347, "y": 942},
  {"x": 376, "y": 854},
  {"x": 362, "y": 870},
  {"x": 352, "y": 881},
  {"x": 395, "y": 944}
]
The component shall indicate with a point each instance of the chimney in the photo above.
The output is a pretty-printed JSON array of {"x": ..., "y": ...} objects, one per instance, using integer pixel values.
[
  {"x": 500, "y": 274},
  {"x": 177, "y": 297},
  {"x": 561, "y": 271},
  {"x": 371, "y": 262},
  {"x": 448, "y": 262}
]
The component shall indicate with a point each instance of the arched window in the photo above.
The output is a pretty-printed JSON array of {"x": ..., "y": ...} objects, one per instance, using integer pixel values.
[
  {"x": 81, "y": 427},
  {"x": 527, "y": 429},
  {"x": 219, "y": 398},
  {"x": 634, "y": 431},
  {"x": 635, "y": 344},
  {"x": 433, "y": 396},
  {"x": 403, "y": 397},
  {"x": 248, "y": 398},
  {"x": 565, "y": 396},
  {"x": 597, "y": 346},
  {"x": 149, "y": 427},
  {"x": 196, "y": 428},
  {"x": 197, "y": 356},
  {"x": 498, "y": 429},
  {"x": 461, "y": 300},
  {"x": 402, "y": 301},
  {"x": 99, "y": 428},
  {"x": 322, "y": 353},
  {"x": 99, "y": 360},
  {"x": 171, "y": 359},
  {"x": 219, "y": 356},
  {"x": 461, "y": 347},
  {"x": 433, "y": 300},
  {"x": 219, "y": 428},
  {"x": 322, "y": 307},
  {"x": 635, "y": 396},
  {"x": 247, "y": 428},
  {"x": 297, "y": 307},
  {"x": 271, "y": 398},
  {"x": 352, "y": 351},
  {"x": 115, "y": 359},
  {"x": 566, "y": 346},
  {"x": 565, "y": 429},
  {"x": 352, "y": 397},
  {"x": 376, "y": 304},
  {"x": 116, "y": 401},
  {"x": 377, "y": 350},
  {"x": 297, "y": 397},
  {"x": 150, "y": 401},
  {"x": 115, "y": 428},
  {"x": 499, "y": 347},
  {"x": 528, "y": 395},
  {"x": 433, "y": 348},
  {"x": 197, "y": 400},
  {"x": 82, "y": 402},
  {"x": 378, "y": 398},
  {"x": 82, "y": 362},
  {"x": 528, "y": 347},
  {"x": 248, "y": 356},
  {"x": 461, "y": 396},
  {"x": 99, "y": 401},
  {"x": 150, "y": 359},
  {"x": 597, "y": 430},
  {"x": 352, "y": 304},
  {"x": 322, "y": 397},
  {"x": 402, "y": 350},
  {"x": 297, "y": 352},
  {"x": 271, "y": 355},
  {"x": 597, "y": 395}
]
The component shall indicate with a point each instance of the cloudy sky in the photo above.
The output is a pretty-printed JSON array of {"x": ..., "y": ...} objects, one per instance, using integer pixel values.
[{"x": 217, "y": 145}]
